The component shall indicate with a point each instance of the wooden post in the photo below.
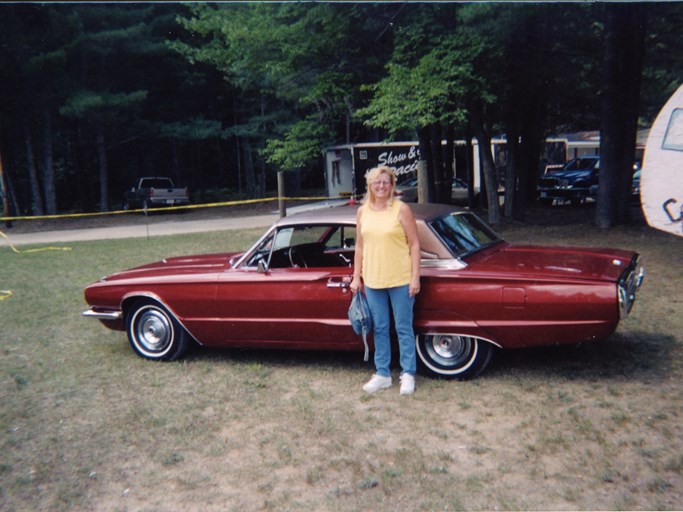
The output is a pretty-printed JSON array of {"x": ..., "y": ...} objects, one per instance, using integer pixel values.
[
  {"x": 422, "y": 181},
  {"x": 281, "y": 194}
]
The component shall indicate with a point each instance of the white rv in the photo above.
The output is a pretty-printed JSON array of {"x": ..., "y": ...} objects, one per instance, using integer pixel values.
[{"x": 661, "y": 179}]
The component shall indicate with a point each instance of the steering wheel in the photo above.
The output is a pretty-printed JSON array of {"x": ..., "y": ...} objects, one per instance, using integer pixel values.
[{"x": 295, "y": 258}]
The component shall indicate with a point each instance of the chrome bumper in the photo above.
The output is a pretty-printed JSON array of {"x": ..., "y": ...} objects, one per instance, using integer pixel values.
[
  {"x": 103, "y": 315},
  {"x": 628, "y": 286}
]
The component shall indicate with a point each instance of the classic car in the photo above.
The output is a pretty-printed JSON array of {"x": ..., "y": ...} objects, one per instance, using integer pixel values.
[{"x": 290, "y": 290}]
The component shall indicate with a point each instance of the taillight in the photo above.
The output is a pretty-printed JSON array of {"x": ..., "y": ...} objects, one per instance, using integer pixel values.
[{"x": 151, "y": 192}]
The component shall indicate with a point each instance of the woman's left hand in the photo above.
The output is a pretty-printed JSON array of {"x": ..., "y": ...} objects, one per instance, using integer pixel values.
[{"x": 414, "y": 287}]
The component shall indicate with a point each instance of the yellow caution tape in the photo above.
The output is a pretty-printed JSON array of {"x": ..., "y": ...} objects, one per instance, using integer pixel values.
[
  {"x": 51, "y": 248},
  {"x": 143, "y": 210},
  {"x": 5, "y": 294},
  {"x": 164, "y": 208}
]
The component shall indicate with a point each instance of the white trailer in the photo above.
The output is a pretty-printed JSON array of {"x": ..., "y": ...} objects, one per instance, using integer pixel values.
[
  {"x": 661, "y": 179},
  {"x": 346, "y": 165}
]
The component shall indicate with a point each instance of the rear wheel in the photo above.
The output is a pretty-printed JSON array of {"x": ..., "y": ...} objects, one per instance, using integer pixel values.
[
  {"x": 453, "y": 356},
  {"x": 154, "y": 333}
]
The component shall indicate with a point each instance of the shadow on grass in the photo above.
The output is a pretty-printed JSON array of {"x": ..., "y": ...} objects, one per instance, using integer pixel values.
[
  {"x": 326, "y": 360},
  {"x": 638, "y": 356},
  {"x": 632, "y": 355}
]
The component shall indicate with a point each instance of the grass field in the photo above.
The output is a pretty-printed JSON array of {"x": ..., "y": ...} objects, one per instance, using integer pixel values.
[{"x": 87, "y": 425}]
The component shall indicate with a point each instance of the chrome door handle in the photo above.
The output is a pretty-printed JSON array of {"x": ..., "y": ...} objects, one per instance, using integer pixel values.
[{"x": 337, "y": 284}]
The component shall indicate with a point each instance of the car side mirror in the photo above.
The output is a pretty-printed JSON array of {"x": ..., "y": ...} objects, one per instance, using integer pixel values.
[{"x": 262, "y": 268}]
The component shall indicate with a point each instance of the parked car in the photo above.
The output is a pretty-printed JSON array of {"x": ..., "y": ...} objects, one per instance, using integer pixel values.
[
  {"x": 149, "y": 192},
  {"x": 571, "y": 183},
  {"x": 635, "y": 186},
  {"x": 407, "y": 191},
  {"x": 290, "y": 291}
]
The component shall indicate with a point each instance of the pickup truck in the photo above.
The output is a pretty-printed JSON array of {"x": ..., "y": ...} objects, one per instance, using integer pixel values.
[
  {"x": 155, "y": 191},
  {"x": 572, "y": 183}
]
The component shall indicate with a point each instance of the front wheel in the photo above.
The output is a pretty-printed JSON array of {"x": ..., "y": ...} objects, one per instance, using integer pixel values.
[
  {"x": 454, "y": 356},
  {"x": 154, "y": 333}
]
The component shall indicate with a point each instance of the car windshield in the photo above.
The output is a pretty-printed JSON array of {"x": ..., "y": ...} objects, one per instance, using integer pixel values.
[
  {"x": 580, "y": 164},
  {"x": 464, "y": 233}
]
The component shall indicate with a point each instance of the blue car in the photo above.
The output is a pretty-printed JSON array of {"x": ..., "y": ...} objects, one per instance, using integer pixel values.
[{"x": 572, "y": 183}]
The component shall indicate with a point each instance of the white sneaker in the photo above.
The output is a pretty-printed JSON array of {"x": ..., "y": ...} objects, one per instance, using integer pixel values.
[
  {"x": 407, "y": 384},
  {"x": 376, "y": 383}
]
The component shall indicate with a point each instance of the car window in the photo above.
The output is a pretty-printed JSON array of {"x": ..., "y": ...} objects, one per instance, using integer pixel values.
[
  {"x": 332, "y": 238},
  {"x": 411, "y": 182},
  {"x": 297, "y": 235},
  {"x": 340, "y": 237},
  {"x": 463, "y": 233}
]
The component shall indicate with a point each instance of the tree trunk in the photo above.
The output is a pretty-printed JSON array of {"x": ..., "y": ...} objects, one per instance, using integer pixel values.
[
  {"x": 469, "y": 148},
  {"x": 511, "y": 168},
  {"x": 622, "y": 66},
  {"x": 83, "y": 180},
  {"x": 634, "y": 65},
  {"x": 198, "y": 174},
  {"x": 449, "y": 160},
  {"x": 425, "y": 188},
  {"x": 441, "y": 192},
  {"x": 36, "y": 196},
  {"x": 486, "y": 163},
  {"x": 48, "y": 167},
  {"x": 176, "y": 160},
  {"x": 532, "y": 139},
  {"x": 249, "y": 175},
  {"x": 103, "y": 174}
]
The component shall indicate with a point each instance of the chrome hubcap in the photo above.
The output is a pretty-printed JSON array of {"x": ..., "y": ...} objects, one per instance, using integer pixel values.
[{"x": 154, "y": 330}]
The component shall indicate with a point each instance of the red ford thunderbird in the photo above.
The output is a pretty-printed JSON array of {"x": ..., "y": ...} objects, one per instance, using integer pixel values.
[{"x": 290, "y": 290}]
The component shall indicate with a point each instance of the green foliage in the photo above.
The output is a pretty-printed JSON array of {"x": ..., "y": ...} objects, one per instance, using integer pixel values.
[
  {"x": 295, "y": 69},
  {"x": 192, "y": 87},
  {"x": 434, "y": 73},
  {"x": 301, "y": 143},
  {"x": 193, "y": 129},
  {"x": 101, "y": 106}
]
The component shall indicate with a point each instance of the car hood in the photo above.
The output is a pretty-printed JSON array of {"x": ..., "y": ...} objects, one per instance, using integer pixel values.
[
  {"x": 547, "y": 262},
  {"x": 580, "y": 173},
  {"x": 183, "y": 265}
]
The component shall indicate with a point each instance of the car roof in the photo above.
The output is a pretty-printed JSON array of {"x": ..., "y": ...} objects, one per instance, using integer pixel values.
[{"x": 347, "y": 214}]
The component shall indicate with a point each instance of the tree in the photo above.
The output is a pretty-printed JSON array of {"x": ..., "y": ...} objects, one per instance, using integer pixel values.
[
  {"x": 443, "y": 86},
  {"x": 622, "y": 68},
  {"x": 295, "y": 71},
  {"x": 263, "y": 87},
  {"x": 102, "y": 110}
]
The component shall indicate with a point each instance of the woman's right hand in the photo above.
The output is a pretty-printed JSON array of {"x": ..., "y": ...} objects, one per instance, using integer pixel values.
[{"x": 355, "y": 285}]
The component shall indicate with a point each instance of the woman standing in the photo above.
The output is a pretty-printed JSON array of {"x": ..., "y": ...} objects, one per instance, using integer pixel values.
[{"x": 388, "y": 260}]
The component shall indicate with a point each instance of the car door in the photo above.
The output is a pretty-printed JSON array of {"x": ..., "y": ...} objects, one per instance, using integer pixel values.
[{"x": 278, "y": 304}]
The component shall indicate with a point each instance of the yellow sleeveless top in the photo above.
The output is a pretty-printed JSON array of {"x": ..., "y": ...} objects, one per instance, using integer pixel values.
[{"x": 386, "y": 254}]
